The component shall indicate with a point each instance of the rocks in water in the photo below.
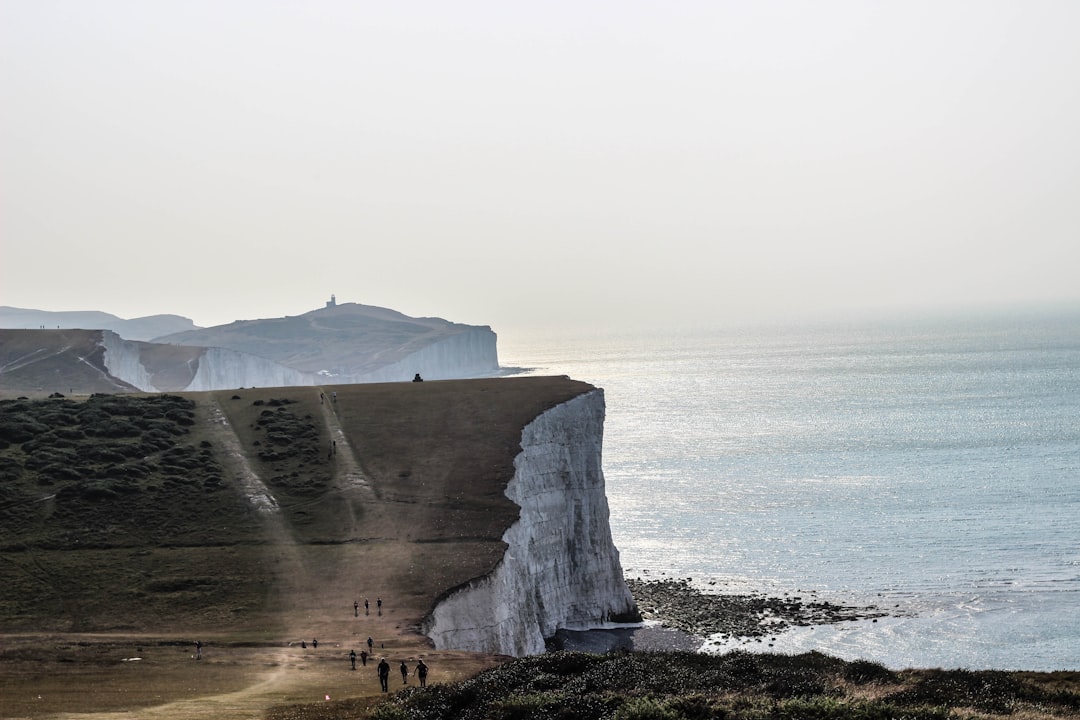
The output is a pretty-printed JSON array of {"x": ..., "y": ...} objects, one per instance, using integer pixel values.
[{"x": 677, "y": 604}]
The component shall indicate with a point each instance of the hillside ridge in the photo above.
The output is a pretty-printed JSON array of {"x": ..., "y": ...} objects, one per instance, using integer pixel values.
[{"x": 257, "y": 515}]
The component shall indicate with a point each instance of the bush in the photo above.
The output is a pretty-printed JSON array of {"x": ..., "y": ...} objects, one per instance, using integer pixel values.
[
  {"x": 113, "y": 428},
  {"x": 10, "y": 470},
  {"x": 647, "y": 709},
  {"x": 20, "y": 428},
  {"x": 387, "y": 711},
  {"x": 862, "y": 672}
]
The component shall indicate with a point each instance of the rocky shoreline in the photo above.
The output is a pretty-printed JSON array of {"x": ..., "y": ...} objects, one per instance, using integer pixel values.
[
  {"x": 677, "y": 604},
  {"x": 678, "y": 616}
]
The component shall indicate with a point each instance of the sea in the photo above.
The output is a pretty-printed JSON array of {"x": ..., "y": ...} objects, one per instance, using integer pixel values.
[{"x": 926, "y": 467}]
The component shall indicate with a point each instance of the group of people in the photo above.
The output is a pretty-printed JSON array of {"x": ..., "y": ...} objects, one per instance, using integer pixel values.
[
  {"x": 421, "y": 670},
  {"x": 367, "y": 607},
  {"x": 384, "y": 674}
]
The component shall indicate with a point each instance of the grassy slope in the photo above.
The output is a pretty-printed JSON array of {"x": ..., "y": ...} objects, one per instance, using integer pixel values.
[{"x": 125, "y": 523}]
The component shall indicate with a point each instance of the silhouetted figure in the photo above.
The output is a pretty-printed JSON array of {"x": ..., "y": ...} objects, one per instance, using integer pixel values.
[
  {"x": 355, "y": 609},
  {"x": 303, "y": 644},
  {"x": 417, "y": 378},
  {"x": 378, "y": 604},
  {"x": 370, "y": 644},
  {"x": 352, "y": 658},
  {"x": 367, "y": 608},
  {"x": 404, "y": 673},
  {"x": 363, "y": 658},
  {"x": 384, "y": 675},
  {"x": 198, "y": 650},
  {"x": 315, "y": 644},
  {"x": 421, "y": 672}
]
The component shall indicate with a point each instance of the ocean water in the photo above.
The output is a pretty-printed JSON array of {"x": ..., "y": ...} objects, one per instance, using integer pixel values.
[{"x": 931, "y": 469}]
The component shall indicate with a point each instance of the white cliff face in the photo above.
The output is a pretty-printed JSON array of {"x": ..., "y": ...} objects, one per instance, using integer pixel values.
[
  {"x": 221, "y": 369},
  {"x": 209, "y": 368},
  {"x": 561, "y": 568},
  {"x": 123, "y": 362},
  {"x": 466, "y": 354}
]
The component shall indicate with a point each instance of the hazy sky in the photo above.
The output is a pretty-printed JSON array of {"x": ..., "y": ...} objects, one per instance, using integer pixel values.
[{"x": 583, "y": 164}]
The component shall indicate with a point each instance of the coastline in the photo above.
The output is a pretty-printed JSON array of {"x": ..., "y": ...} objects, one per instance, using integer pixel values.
[{"x": 678, "y": 616}]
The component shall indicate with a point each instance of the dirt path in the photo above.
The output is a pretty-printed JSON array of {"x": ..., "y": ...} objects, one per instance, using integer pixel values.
[{"x": 349, "y": 478}]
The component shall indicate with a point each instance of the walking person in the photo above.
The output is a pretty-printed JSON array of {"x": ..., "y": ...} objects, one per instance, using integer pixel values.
[
  {"x": 355, "y": 609},
  {"x": 352, "y": 658},
  {"x": 378, "y": 603},
  {"x": 370, "y": 644},
  {"x": 384, "y": 675},
  {"x": 363, "y": 658},
  {"x": 404, "y": 673},
  {"x": 421, "y": 673},
  {"x": 367, "y": 608},
  {"x": 198, "y": 649}
]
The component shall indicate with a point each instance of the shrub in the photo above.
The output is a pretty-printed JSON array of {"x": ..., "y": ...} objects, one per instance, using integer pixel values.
[
  {"x": 387, "y": 711},
  {"x": 113, "y": 428},
  {"x": 10, "y": 470},
  {"x": 645, "y": 708},
  {"x": 20, "y": 428},
  {"x": 864, "y": 671}
]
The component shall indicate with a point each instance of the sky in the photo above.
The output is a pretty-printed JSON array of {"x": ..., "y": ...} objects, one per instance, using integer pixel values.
[{"x": 576, "y": 165}]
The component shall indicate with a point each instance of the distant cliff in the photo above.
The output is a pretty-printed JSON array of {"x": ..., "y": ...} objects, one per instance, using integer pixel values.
[
  {"x": 561, "y": 568},
  {"x": 353, "y": 343},
  {"x": 339, "y": 344}
]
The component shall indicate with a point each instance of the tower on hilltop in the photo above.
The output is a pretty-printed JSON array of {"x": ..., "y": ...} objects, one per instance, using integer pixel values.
[{"x": 332, "y": 302}]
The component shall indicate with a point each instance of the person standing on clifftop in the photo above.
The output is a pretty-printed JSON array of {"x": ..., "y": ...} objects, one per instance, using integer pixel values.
[
  {"x": 404, "y": 673},
  {"x": 421, "y": 672},
  {"x": 384, "y": 675}
]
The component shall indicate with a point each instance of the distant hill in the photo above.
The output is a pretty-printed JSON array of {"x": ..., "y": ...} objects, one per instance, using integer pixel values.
[
  {"x": 341, "y": 344},
  {"x": 348, "y": 341},
  {"x": 142, "y": 328}
]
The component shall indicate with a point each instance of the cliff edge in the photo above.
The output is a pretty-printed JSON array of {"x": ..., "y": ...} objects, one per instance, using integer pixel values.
[
  {"x": 266, "y": 512},
  {"x": 561, "y": 568}
]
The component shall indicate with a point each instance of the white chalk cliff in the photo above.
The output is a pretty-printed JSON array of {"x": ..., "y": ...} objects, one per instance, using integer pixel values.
[
  {"x": 561, "y": 568},
  {"x": 154, "y": 367},
  {"x": 339, "y": 344}
]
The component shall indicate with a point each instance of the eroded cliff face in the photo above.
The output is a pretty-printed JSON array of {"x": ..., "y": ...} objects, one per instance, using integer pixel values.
[
  {"x": 466, "y": 354},
  {"x": 154, "y": 367},
  {"x": 123, "y": 361},
  {"x": 221, "y": 369},
  {"x": 561, "y": 568},
  {"x": 173, "y": 368}
]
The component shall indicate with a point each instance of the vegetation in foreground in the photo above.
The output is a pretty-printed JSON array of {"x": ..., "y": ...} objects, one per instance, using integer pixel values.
[{"x": 735, "y": 686}]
